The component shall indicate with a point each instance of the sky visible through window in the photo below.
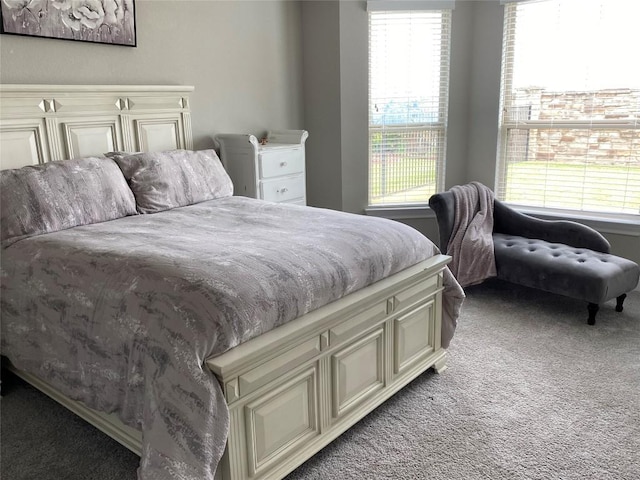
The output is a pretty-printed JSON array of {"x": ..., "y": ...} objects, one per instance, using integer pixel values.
[{"x": 578, "y": 45}]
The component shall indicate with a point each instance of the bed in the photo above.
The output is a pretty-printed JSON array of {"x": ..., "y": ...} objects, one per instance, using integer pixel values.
[{"x": 214, "y": 335}]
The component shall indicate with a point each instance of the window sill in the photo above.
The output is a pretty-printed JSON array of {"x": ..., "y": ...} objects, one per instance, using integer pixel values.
[{"x": 399, "y": 212}]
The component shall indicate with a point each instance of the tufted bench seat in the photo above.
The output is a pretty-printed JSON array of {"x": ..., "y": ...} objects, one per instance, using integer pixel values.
[
  {"x": 562, "y": 257},
  {"x": 594, "y": 277}
]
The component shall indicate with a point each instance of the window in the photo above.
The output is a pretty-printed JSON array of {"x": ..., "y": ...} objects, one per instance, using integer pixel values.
[
  {"x": 408, "y": 100},
  {"x": 570, "y": 113}
]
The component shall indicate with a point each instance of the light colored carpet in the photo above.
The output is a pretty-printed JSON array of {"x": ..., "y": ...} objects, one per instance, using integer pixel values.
[{"x": 532, "y": 392}]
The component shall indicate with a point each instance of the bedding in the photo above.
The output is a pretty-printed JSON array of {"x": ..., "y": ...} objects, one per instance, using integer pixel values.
[
  {"x": 164, "y": 180},
  {"x": 121, "y": 315},
  {"x": 59, "y": 195}
]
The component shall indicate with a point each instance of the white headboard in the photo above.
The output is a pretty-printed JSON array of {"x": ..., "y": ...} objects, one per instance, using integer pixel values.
[{"x": 42, "y": 123}]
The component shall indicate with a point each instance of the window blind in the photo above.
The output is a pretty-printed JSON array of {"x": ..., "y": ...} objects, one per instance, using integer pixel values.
[
  {"x": 408, "y": 101},
  {"x": 570, "y": 113},
  {"x": 409, "y": 5}
]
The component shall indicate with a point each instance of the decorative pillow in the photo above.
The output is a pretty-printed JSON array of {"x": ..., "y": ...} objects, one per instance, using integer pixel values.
[
  {"x": 164, "y": 180},
  {"x": 60, "y": 195}
]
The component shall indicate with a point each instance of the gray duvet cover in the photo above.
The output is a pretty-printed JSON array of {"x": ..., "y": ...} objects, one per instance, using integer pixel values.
[{"x": 121, "y": 315}]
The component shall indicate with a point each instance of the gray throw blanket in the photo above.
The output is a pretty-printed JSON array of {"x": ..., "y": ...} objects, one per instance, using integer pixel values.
[{"x": 471, "y": 241}]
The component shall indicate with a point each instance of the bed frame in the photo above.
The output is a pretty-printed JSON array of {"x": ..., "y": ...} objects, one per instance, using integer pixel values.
[
  {"x": 41, "y": 123},
  {"x": 292, "y": 390}
]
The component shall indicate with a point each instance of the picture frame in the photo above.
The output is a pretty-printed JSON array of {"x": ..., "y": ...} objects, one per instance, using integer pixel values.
[{"x": 98, "y": 21}]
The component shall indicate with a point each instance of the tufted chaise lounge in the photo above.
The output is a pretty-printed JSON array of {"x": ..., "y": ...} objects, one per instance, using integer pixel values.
[{"x": 561, "y": 257}]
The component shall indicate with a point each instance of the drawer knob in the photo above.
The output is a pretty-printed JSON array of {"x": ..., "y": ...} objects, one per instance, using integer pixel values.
[
  {"x": 283, "y": 190},
  {"x": 283, "y": 164}
]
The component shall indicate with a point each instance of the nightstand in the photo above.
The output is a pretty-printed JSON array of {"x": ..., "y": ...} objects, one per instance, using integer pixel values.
[{"x": 274, "y": 171}]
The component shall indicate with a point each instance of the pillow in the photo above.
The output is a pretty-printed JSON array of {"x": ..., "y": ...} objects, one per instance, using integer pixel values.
[
  {"x": 164, "y": 180},
  {"x": 60, "y": 195}
]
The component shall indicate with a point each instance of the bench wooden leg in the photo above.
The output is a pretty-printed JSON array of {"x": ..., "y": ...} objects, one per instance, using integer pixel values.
[
  {"x": 619, "y": 302},
  {"x": 593, "y": 309}
]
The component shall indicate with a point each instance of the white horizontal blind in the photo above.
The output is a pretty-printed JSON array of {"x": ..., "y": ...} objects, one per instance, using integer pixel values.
[
  {"x": 409, "y": 5},
  {"x": 408, "y": 99},
  {"x": 570, "y": 116}
]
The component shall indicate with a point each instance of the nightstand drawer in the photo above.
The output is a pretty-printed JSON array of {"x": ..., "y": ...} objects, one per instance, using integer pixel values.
[
  {"x": 282, "y": 161},
  {"x": 283, "y": 189}
]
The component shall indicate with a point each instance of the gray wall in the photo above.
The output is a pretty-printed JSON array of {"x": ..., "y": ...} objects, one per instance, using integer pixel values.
[
  {"x": 485, "y": 49},
  {"x": 244, "y": 59},
  {"x": 322, "y": 101},
  {"x": 335, "y": 79}
]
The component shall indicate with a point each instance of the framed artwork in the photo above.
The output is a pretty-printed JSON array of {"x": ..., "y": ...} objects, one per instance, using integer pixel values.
[{"x": 98, "y": 21}]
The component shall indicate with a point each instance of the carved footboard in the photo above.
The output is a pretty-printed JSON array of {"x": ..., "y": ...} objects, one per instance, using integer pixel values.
[{"x": 295, "y": 389}]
